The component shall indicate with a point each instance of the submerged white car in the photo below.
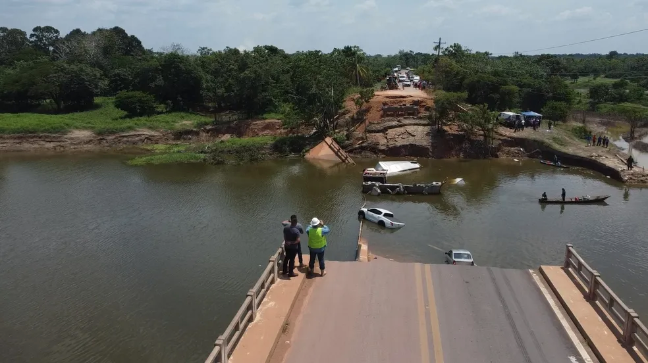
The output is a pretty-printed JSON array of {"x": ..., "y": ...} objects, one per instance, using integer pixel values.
[
  {"x": 382, "y": 217},
  {"x": 459, "y": 257}
]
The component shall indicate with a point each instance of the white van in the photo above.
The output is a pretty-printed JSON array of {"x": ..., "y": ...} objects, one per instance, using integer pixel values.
[{"x": 509, "y": 118}]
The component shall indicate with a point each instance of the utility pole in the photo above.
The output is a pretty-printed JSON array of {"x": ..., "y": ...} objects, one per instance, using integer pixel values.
[
  {"x": 436, "y": 61},
  {"x": 439, "y": 47}
]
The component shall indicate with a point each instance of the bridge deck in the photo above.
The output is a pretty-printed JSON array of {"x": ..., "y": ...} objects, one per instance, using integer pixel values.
[{"x": 394, "y": 312}]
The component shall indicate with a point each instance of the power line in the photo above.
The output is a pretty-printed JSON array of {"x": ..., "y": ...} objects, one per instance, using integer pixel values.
[{"x": 583, "y": 42}]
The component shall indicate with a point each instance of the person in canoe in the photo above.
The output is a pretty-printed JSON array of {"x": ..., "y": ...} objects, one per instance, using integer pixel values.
[
  {"x": 563, "y": 194},
  {"x": 544, "y": 196}
]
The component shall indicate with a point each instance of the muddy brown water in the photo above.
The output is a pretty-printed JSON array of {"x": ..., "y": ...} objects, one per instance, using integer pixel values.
[{"x": 103, "y": 262}]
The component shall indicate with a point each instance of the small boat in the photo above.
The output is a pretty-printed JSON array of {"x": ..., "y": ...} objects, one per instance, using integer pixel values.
[
  {"x": 585, "y": 200},
  {"x": 551, "y": 163}
]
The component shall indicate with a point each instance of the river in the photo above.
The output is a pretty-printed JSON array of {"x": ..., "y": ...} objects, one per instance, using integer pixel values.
[{"x": 104, "y": 262}]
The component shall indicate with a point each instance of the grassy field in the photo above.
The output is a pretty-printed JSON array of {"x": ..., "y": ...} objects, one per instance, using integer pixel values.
[
  {"x": 233, "y": 150},
  {"x": 583, "y": 84},
  {"x": 105, "y": 119}
]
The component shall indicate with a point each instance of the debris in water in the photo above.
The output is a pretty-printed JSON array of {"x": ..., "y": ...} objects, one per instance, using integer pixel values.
[
  {"x": 516, "y": 160},
  {"x": 459, "y": 181}
]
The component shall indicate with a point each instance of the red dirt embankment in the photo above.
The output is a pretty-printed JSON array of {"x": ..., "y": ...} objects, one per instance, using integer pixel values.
[{"x": 373, "y": 109}]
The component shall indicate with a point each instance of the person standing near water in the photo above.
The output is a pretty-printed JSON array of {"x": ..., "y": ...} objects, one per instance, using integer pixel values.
[
  {"x": 292, "y": 232},
  {"x": 317, "y": 232},
  {"x": 563, "y": 194}
]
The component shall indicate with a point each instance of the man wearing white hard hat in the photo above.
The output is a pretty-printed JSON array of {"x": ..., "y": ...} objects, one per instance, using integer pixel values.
[{"x": 317, "y": 232}]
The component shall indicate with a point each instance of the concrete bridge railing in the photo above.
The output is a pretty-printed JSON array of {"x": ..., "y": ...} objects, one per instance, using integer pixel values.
[
  {"x": 632, "y": 332},
  {"x": 247, "y": 313}
]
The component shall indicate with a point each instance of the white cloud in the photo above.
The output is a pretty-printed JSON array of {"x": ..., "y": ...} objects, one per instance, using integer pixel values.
[
  {"x": 261, "y": 16},
  {"x": 450, "y": 4},
  {"x": 576, "y": 13},
  {"x": 498, "y": 10},
  {"x": 366, "y": 5}
]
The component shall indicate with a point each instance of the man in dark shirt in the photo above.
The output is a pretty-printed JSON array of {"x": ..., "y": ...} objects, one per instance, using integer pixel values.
[{"x": 292, "y": 232}]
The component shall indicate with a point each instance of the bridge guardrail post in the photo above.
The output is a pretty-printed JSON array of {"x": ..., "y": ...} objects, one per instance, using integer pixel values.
[
  {"x": 629, "y": 327},
  {"x": 222, "y": 343},
  {"x": 252, "y": 295},
  {"x": 275, "y": 268},
  {"x": 593, "y": 284},
  {"x": 567, "y": 255}
]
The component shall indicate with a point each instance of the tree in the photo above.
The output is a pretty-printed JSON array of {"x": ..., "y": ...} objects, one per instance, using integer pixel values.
[
  {"x": 73, "y": 86},
  {"x": 135, "y": 103},
  {"x": 11, "y": 41},
  {"x": 574, "y": 77},
  {"x": 634, "y": 115},
  {"x": 366, "y": 94},
  {"x": 483, "y": 88},
  {"x": 44, "y": 38},
  {"x": 480, "y": 119},
  {"x": 205, "y": 51},
  {"x": 556, "y": 110},
  {"x": 445, "y": 105},
  {"x": 599, "y": 93},
  {"x": 509, "y": 97},
  {"x": 181, "y": 81}
]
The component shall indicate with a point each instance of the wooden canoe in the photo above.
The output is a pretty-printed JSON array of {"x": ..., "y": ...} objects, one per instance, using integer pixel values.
[
  {"x": 592, "y": 200},
  {"x": 551, "y": 163}
]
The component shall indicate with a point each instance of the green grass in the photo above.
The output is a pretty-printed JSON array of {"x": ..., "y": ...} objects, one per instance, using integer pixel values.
[
  {"x": 106, "y": 119},
  {"x": 558, "y": 141},
  {"x": 231, "y": 151},
  {"x": 272, "y": 116},
  {"x": 172, "y": 158},
  {"x": 583, "y": 84}
]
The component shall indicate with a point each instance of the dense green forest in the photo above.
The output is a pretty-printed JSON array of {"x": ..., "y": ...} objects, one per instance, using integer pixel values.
[{"x": 47, "y": 72}]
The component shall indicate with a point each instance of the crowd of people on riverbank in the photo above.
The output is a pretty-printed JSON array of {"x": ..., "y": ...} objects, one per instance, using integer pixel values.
[
  {"x": 593, "y": 140},
  {"x": 316, "y": 232}
]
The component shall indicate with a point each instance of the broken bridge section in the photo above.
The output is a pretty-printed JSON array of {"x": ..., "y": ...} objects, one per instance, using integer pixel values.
[{"x": 329, "y": 150}]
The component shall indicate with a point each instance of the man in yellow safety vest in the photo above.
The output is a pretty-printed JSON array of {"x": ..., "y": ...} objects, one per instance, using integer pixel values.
[{"x": 317, "y": 232}]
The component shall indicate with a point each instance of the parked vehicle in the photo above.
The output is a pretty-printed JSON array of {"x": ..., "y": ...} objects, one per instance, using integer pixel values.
[
  {"x": 459, "y": 257},
  {"x": 382, "y": 217},
  {"x": 407, "y": 83},
  {"x": 402, "y": 78},
  {"x": 509, "y": 118}
]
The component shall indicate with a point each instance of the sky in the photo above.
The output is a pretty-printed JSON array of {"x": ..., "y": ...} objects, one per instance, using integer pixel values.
[{"x": 377, "y": 26}]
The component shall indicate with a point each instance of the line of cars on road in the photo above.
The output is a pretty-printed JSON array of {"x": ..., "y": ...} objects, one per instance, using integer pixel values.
[{"x": 407, "y": 77}]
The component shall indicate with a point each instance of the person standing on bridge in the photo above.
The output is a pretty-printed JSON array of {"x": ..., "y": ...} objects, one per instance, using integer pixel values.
[
  {"x": 317, "y": 232},
  {"x": 292, "y": 231}
]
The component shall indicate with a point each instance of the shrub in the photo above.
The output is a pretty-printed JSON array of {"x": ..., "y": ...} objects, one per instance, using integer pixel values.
[
  {"x": 290, "y": 145},
  {"x": 135, "y": 103},
  {"x": 556, "y": 111}
]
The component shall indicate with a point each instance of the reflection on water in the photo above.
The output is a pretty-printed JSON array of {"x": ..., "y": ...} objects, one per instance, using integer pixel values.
[{"x": 106, "y": 262}]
